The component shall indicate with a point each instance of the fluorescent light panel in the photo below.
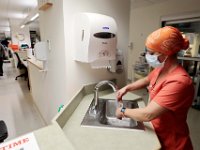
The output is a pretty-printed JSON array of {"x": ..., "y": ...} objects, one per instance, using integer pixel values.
[
  {"x": 34, "y": 17},
  {"x": 22, "y": 26},
  {"x": 183, "y": 21}
]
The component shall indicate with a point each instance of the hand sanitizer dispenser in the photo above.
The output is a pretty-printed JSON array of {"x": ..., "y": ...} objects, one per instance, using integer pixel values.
[
  {"x": 41, "y": 49},
  {"x": 95, "y": 38}
]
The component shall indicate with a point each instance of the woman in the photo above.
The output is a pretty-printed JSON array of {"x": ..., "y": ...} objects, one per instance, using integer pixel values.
[{"x": 171, "y": 90}]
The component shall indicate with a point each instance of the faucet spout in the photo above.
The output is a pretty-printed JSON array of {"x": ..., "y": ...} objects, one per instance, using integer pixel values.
[
  {"x": 110, "y": 83},
  {"x": 96, "y": 95}
]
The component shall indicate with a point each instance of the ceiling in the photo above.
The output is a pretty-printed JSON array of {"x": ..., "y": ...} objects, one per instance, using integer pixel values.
[
  {"x": 143, "y": 3},
  {"x": 13, "y": 12}
]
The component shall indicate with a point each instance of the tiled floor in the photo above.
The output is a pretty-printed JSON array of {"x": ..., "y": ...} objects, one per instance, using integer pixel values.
[
  {"x": 16, "y": 105},
  {"x": 193, "y": 121}
]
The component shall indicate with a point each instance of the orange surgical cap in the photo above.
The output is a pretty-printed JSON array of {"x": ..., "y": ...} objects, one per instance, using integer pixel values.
[{"x": 167, "y": 40}]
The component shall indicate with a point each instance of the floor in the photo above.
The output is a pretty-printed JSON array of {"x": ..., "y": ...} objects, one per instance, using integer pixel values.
[
  {"x": 193, "y": 120},
  {"x": 16, "y": 106}
]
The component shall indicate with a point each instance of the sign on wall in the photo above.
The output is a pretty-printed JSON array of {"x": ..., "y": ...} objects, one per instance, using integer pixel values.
[{"x": 26, "y": 142}]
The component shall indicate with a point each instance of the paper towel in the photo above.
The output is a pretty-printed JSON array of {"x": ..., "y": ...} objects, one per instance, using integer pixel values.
[{"x": 99, "y": 64}]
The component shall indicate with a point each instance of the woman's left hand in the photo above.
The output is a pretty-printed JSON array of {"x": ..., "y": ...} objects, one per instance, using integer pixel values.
[{"x": 118, "y": 113}]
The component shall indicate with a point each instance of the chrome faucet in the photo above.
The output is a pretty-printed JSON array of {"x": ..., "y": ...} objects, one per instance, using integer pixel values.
[{"x": 94, "y": 108}]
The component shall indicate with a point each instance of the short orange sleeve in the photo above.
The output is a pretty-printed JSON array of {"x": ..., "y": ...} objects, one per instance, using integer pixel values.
[{"x": 175, "y": 93}]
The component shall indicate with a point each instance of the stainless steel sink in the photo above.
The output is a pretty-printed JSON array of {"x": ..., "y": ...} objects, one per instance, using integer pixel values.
[{"x": 106, "y": 116}]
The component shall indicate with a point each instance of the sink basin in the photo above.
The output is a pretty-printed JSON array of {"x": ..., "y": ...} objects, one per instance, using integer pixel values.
[{"x": 106, "y": 118}]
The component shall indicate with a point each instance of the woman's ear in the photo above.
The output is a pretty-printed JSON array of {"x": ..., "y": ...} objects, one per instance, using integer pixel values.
[{"x": 162, "y": 57}]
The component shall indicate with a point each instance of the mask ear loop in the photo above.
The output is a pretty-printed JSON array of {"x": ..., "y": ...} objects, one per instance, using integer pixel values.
[{"x": 165, "y": 59}]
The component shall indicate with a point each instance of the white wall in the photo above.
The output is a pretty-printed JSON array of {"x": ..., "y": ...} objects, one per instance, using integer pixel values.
[
  {"x": 145, "y": 20},
  {"x": 80, "y": 73},
  {"x": 65, "y": 76},
  {"x": 49, "y": 88}
]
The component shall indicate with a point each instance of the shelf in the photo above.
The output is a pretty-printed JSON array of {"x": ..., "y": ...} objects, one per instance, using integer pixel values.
[{"x": 45, "y": 6}]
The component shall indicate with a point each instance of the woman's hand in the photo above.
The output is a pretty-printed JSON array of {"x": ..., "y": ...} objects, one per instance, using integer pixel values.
[
  {"x": 132, "y": 86},
  {"x": 121, "y": 92},
  {"x": 118, "y": 113}
]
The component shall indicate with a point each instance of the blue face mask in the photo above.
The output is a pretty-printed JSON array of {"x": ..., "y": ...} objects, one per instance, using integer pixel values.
[{"x": 153, "y": 61}]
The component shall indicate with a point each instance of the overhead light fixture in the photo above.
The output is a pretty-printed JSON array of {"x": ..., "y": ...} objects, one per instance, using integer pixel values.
[
  {"x": 34, "y": 17},
  {"x": 22, "y": 26}
]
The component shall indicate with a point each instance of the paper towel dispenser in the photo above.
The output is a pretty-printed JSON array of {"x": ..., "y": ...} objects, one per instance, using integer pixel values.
[{"x": 95, "y": 37}]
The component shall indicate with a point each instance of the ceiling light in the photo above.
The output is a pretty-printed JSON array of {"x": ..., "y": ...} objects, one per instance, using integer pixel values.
[
  {"x": 34, "y": 17},
  {"x": 22, "y": 26}
]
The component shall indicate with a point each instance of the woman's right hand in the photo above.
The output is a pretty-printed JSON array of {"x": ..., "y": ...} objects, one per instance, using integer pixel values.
[{"x": 121, "y": 93}]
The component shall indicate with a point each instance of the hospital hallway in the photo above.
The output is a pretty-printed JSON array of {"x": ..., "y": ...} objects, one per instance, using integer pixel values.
[{"x": 17, "y": 109}]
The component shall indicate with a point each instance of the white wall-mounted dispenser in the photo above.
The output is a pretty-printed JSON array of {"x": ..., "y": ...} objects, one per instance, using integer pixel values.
[
  {"x": 41, "y": 50},
  {"x": 95, "y": 39},
  {"x": 29, "y": 52}
]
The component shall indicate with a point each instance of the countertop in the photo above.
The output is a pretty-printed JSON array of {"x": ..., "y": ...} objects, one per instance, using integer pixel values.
[
  {"x": 65, "y": 132},
  {"x": 36, "y": 63},
  {"x": 103, "y": 138}
]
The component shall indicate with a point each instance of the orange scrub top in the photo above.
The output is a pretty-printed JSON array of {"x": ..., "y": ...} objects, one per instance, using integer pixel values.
[{"x": 176, "y": 94}]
